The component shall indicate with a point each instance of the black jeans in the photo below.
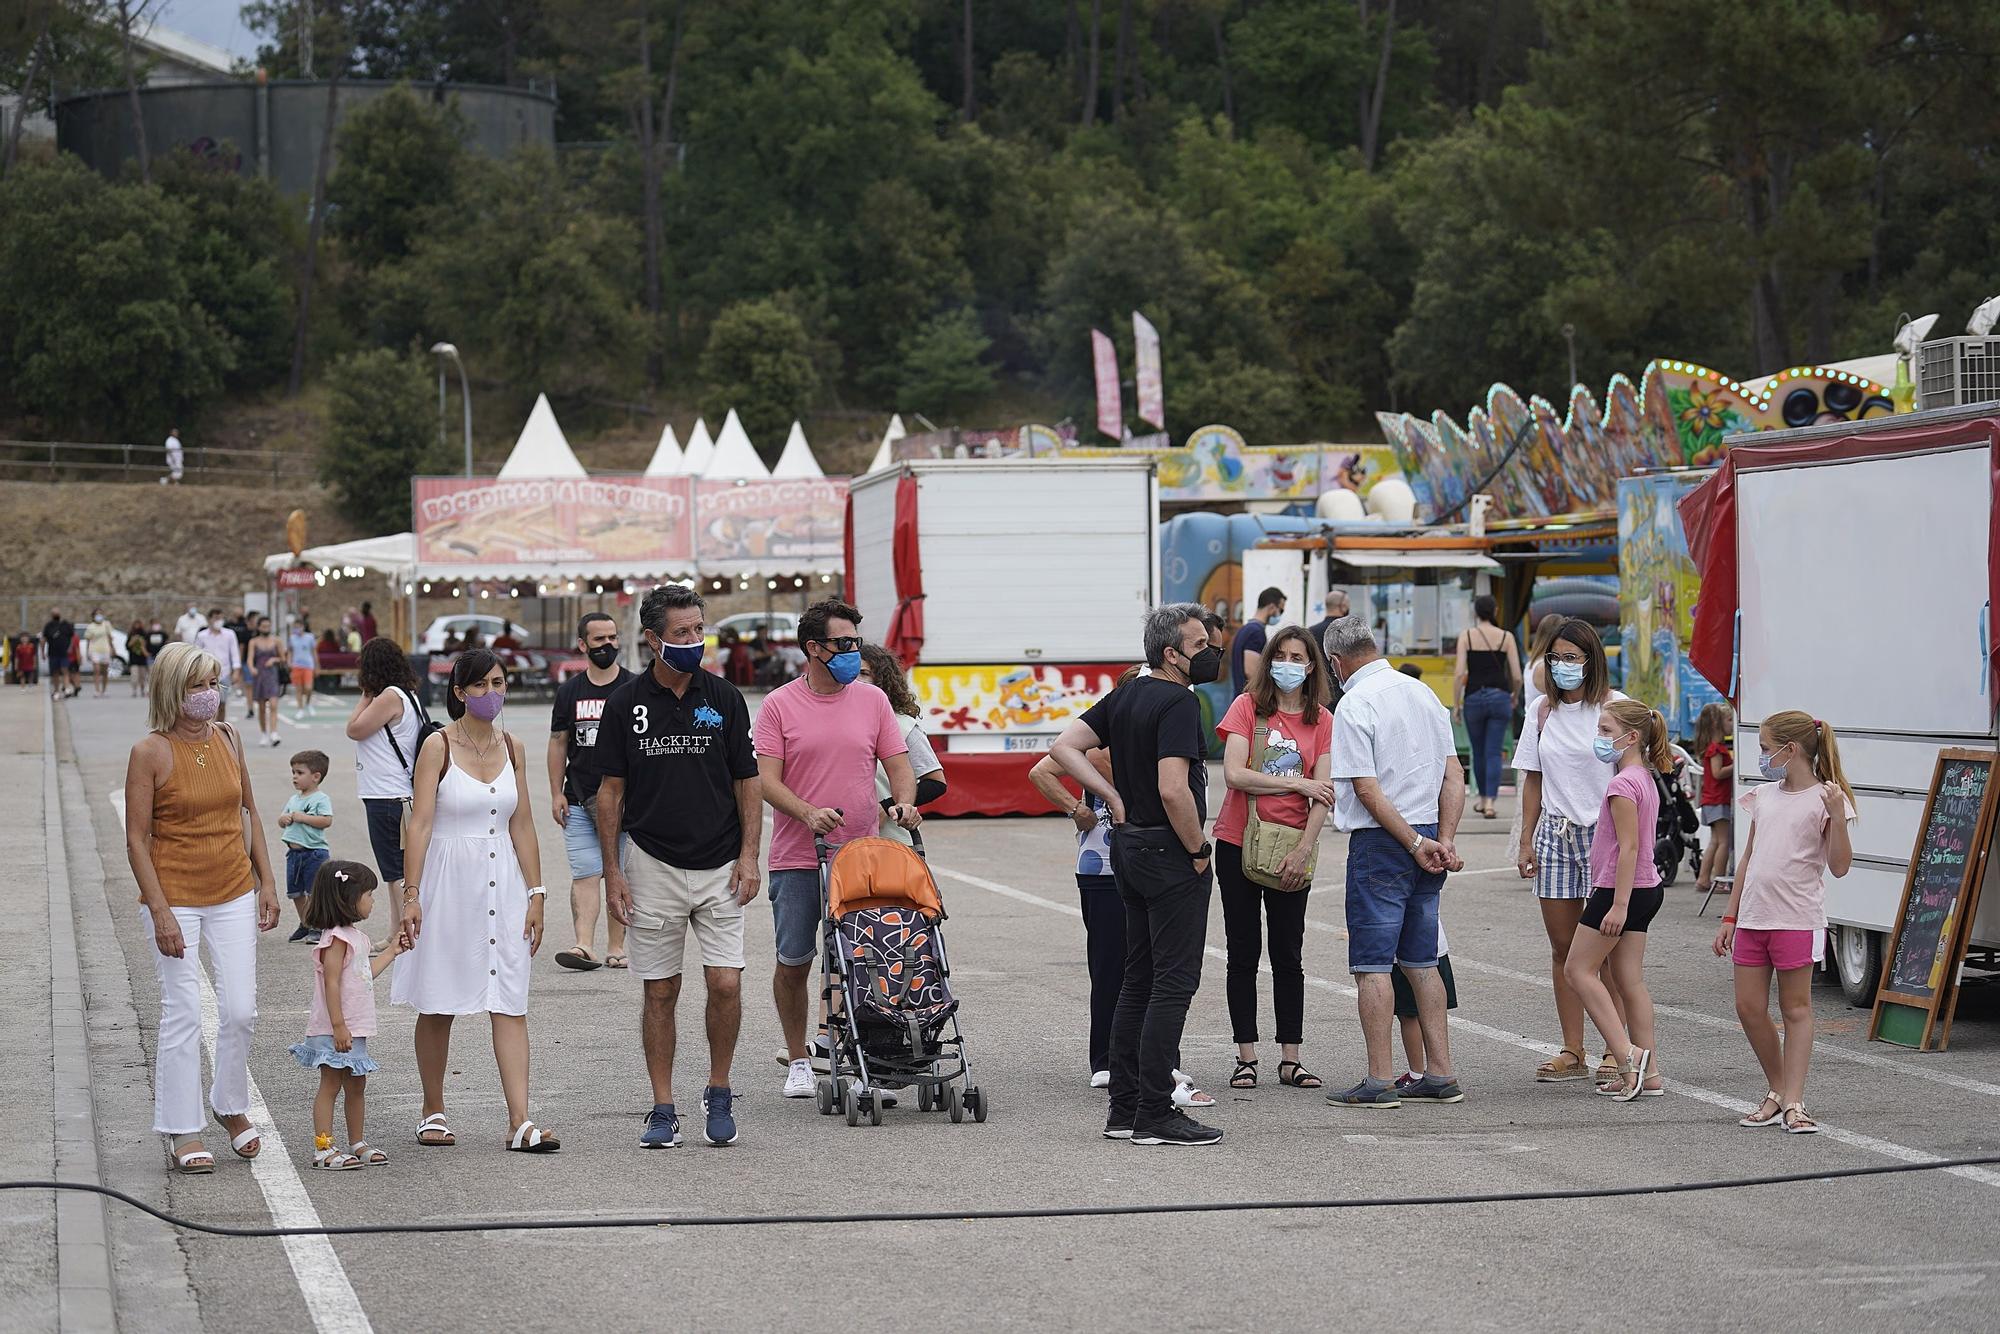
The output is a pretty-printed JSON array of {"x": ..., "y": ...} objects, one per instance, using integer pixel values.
[
  {"x": 1246, "y": 906},
  {"x": 1104, "y": 947},
  {"x": 1166, "y": 927}
]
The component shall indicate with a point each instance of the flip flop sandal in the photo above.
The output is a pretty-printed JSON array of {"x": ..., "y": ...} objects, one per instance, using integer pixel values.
[
  {"x": 614, "y": 961},
  {"x": 1244, "y": 1076},
  {"x": 243, "y": 1139},
  {"x": 1300, "y": 1078},
  {"x": 369, "y": 1155},
  {"x": 189, "y": 1161},
  {"x": 578, "y": 959},
  {"x": 434, "y": 1124},
  {"x": 1756, "y": 1122},
  {"x": 529, "y": 1138}
]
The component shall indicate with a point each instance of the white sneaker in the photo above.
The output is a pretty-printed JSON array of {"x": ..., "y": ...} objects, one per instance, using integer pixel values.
[
  {"x": 1100, "y": 1079},
  {"x": 799, "y": 1080}
]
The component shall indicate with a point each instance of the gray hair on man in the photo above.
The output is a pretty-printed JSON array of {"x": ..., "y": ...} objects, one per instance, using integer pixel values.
[
  {"x": 1350, "y": 637},
  {"x": 1163, "y": 629}
]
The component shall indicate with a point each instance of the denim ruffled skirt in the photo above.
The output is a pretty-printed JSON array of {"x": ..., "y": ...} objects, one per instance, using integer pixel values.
[{"x": 319, "y": 1051}]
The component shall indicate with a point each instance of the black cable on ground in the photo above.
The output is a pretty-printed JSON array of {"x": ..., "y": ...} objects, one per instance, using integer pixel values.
[{"x": 994, "y": 1215}]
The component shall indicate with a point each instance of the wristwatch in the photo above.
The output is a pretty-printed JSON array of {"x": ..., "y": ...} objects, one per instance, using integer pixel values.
[{"x": 1202, "y": 853}]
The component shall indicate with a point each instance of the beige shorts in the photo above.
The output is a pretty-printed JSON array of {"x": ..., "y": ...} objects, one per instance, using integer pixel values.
[{"x": 666, "y": 900}]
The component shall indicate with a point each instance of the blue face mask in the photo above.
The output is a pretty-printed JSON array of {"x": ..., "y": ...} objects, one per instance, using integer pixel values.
[
  {"x": 1288, "y": 675},
  {"x": 1566, "y": 675},
  {"x": 844, "y": 667},
  {"x": 1607, "y": 749},
  {"x": 680, "y": 657}
]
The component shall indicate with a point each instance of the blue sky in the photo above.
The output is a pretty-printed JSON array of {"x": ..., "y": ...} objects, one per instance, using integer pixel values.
[{"x": 216, "y": 22}]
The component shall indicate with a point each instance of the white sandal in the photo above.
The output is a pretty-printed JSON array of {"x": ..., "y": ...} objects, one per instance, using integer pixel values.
[
  {"x": 246, "y": 1138},
  {"x": 528, "y": 1138},
  {"x": 1187, "y": 1095},
  {"x": 189, "y": 1162},
  {"x": 1755, "y": 1122},
  {"x": 327, "y": 1158},
  {"x": 1804, "y": 1124},
  {"x": 435, "y": 1122},
  {"x": 369, "y": 1155}
]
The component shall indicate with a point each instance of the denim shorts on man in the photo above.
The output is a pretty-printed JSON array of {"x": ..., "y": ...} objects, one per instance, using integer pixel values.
[
  {"x": 795, "y": 914},
  {"x": 586, "y": 854},
  {"x": 1392, "y": 904}
]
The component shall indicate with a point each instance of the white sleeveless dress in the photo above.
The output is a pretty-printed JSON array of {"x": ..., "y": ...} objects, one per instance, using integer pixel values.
[{"x": 470, "y": 955}]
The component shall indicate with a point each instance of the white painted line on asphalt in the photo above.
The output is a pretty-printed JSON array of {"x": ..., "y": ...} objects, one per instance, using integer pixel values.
[
  {"x": 1853, "y": 1139},
  {"x": 329, "y": 1296}
]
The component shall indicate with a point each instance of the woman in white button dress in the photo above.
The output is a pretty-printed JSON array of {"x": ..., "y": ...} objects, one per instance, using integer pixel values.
[{"x": 469, "y": 912}]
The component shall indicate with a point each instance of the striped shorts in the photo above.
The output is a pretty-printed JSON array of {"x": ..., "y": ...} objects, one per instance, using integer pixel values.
[{"x": 1562, "y": 858}]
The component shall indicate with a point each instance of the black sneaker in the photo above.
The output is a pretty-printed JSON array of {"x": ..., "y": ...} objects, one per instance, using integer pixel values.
[
  {"x": 1117, "y": 1128},
  {"x": 1429, "y": 1089},
  {"x": 1176, "y": 1127},
  {"x": 301, "y": 933}
]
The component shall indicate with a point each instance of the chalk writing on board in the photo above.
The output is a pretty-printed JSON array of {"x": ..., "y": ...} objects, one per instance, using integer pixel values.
[{"x": 1923, "y": 946}]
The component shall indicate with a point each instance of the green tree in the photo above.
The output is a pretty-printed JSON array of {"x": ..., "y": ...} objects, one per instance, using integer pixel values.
[
  {"x": 941, "y": 367},
  {"x": 382, "y": 431},
  {"x": 759, "y": 360},
  {"x": 241, "y": 241},
  {"x": 398, "y": 166}
]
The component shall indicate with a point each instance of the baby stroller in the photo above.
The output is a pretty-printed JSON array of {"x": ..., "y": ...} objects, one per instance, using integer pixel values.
[
  {"x": 892, "y": 1020},
  {"x": 1674, "y": 836}
]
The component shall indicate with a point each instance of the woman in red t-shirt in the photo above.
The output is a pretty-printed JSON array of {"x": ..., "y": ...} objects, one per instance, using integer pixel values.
[
  {"x": 1713, "y": 731},
  {"x": 1287, "y": 775}
]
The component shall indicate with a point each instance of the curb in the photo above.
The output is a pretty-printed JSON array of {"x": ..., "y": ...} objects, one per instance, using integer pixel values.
[{"x": 85, "y": 1299}]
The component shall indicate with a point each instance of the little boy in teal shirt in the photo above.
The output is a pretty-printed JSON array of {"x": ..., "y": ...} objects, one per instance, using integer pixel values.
[{"x": 307, "y": 814}]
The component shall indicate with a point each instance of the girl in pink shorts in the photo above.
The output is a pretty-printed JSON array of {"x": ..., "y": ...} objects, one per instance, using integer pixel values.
[{"x": 1777, "y": 912}]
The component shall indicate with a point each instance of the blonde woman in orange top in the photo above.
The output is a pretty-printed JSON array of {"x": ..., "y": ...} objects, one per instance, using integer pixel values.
[{"x": 185, "y": 802}]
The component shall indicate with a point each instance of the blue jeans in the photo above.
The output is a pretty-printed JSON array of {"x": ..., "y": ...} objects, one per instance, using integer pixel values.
[
  {"x": 1486, "y": 713},
  {"x": 1392, "y": 904}
]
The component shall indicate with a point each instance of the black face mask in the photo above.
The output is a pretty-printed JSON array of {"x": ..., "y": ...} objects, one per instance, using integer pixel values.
[
  {"x": 603, "y": 656},
  {"x": 1205, "y": 666}
]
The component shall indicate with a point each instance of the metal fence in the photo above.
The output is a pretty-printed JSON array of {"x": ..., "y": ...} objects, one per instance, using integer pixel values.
[{"x": 63, "y": 461}]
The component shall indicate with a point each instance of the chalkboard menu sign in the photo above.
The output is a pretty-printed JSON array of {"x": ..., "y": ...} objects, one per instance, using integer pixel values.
[{"x": 1940, "y": 896}]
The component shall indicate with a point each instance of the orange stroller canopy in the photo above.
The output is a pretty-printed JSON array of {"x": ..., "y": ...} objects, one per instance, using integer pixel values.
[{"x": 879, "y": 873}]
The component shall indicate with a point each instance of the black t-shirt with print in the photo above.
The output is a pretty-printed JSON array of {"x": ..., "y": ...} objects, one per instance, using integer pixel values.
[
  {"x": 579, "y": 707},
  {"x": 59, "y": 635},
  {"x": 1143, "y": 721},
  {"x": 681, "y": 757}
]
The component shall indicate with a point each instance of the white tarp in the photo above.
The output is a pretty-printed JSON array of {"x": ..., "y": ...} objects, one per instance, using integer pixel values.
[
  {"x": 797, "y": 461},
  {"x": 700, "y": 449},
  {"x": 735, "y": 458},
  {"x": 394, "y": 555},
  {"x": 541, "y": 450},
  {"x": 667, "y": 458},
  {"x": 886, "y": 454}
]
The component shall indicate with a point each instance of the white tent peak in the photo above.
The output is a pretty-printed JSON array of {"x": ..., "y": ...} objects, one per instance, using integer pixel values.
[
  {"x": 666, "y": 455},
  {"x": 735, "y": 457},
  {"x": 797, "y": 461},
  {"x": 886, "y": 454},
  {"x": 541, "y": 450},
  {"x": 700, "y": 449}
]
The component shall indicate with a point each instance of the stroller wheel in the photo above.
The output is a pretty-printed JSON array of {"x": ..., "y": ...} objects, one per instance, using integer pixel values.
[
  {"x": 874, "y": 1109},
  {"x": 924, "y": 1103},
  {"x": 975, "y": 1098},
  {"x": 823, "y": 1094},
  {"x": 954, "y": 1104},
  {"x": 850, "y": 1102}
]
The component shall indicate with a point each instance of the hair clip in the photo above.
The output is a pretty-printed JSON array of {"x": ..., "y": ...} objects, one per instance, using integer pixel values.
[{"x": 340, "y": 876}]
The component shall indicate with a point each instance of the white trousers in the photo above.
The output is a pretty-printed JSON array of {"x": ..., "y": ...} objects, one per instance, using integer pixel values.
[{"x": 229, "y": 930}]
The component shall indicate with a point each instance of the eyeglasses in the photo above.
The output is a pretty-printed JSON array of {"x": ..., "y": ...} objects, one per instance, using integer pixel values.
[
  {"x": 844, "y": 644},
  {"x": 1572, "y": 659}
]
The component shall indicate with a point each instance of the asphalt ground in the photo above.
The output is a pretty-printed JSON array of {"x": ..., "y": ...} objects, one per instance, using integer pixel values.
[{"x": 1874, "y": 1253}]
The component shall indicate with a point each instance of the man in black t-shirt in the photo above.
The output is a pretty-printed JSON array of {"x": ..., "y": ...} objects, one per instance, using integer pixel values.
[
  {"x": 677, "y": 774},
  {"x": 573, "y": 787},
  {"x": 59, "y": 655},
  {"x": 1158, "y": 795},
  {"x": 1248, "y": 646}
]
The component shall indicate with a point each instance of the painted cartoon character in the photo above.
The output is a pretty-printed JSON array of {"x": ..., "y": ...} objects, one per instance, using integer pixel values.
[
  {"x": 1025, "y": 699},
  {"x": 1281, "y": 756}
]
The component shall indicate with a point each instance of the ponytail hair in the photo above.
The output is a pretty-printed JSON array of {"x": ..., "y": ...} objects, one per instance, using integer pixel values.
[
  {"x": 1652, "y": 730},
  {"x": 1815, "y": 741}
]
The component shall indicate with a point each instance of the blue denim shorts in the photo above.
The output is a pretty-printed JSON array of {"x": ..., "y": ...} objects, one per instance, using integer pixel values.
[
  {"x": 795, "y": 914},
  {"x": 301, "y": 865},
  {"x": 1392, "y": 904},
  {"x": 586, "y": 854}
]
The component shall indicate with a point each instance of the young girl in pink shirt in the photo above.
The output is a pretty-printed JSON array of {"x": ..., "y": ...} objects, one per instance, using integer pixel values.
[
  {"x": 343, "y": 1009},
  {"x": 1625, "y": 896},
  {"x": 1777, "y": 912}
]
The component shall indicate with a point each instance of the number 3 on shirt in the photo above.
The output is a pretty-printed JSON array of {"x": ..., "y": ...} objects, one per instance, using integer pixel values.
[{"x": 639, "y": 722}]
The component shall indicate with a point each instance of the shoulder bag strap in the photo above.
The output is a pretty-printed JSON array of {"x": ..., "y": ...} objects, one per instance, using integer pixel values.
[{"x": 1251, "y": 821}]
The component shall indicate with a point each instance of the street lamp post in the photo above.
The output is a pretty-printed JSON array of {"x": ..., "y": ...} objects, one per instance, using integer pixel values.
[{"x": 450, "y": 353}]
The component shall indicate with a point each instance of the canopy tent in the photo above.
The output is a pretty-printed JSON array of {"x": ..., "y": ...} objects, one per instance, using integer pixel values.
[
  {"x": 735, "y": 458},
  {"x": 700, "y": 449},
  {"x": 394, "y": 556},
  {"x": 886, "y": 455},
  {"x": 797, "y": 461},
  {"x": 541, "y": 450},
  {"x": 667, "y": 458}
]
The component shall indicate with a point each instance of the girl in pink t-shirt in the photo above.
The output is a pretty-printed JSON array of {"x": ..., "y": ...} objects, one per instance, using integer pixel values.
[
  {"x": 1777, "y": 912},
  {"x": 343, "y": 1009},
  {"x": 1625, "y": 896}
]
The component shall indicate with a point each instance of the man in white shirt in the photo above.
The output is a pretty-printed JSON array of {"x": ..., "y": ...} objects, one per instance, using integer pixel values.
[
  {"x": 220, "y": 642},
  {"x": 175, "y": 457},
  {"x": 1399, "y": 793},
  {"x": 190, "y": 624}
]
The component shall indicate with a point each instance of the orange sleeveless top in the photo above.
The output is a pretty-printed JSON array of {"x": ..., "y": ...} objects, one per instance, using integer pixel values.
[{"x": 198, "y": 851}]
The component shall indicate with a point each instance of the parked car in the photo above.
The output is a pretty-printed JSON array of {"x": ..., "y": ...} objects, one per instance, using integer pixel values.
[
  {"x": 776, "y": 626},
  {"x": 488, "y": 628}
]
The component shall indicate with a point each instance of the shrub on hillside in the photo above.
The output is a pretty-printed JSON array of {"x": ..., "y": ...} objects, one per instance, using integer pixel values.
[
  {"x": 382, "y": 431},
  {"x": 759, "y": 360}
]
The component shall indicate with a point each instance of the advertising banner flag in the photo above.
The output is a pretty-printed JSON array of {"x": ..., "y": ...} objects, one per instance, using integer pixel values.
[
  {"x": 1110, "y": 410},
  {"x": 1152, "y": 391}
]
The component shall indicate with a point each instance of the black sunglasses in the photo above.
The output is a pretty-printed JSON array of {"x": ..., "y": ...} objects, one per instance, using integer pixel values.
[{"x": 844, "y": 644}]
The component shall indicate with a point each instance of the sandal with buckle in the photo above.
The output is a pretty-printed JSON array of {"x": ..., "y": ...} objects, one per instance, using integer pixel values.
[
  {"x": 434, "y": 1125},
  {"x": 189, "y": 1161},
  {"x": 1633, "y": 1069},
  {"x": 329, "y": 1159},
  {"x": 1566, "y": 1066},
  {"x": 1245, "y": 1076},
  {"x": 1299, "y": 1078},
  {"x": 1757, "y": 1120},
  {"x": 1798, "y": 1121},
  {"x": 369, "y": 1155},
  {"x": 530, "y": 1138}
]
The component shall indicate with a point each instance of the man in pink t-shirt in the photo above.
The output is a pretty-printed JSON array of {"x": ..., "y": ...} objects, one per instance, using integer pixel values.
[{"x": 818, "y": 740}]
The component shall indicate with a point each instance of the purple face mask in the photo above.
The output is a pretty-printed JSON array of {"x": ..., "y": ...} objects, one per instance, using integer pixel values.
[
  {"x": 201, "y": 705},
  {"x": 486, "y": 707}
]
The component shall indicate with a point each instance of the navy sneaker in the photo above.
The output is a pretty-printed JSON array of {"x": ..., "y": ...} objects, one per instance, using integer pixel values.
[
  {"x": 718, "y": 1126},
  {"x": 1363, "y": 1096},
  {"x": 1432, "y": 1089},
  {"x": 663, "y": 1128},
  {"x": 301, "y": 933}
]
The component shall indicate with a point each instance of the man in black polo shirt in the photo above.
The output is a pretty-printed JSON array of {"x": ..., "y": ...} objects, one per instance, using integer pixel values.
[
  {"x": 573, "y": 723},
  {"x": 676, "y": 773},
  {"x": 59, "y": 655},
  {"x": 1158, "y": 798}
]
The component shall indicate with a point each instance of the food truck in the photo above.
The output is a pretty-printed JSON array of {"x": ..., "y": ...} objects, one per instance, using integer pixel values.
[
  {"x": 1848, "y": 570},
  {"x": 1015, "y": 592}
]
